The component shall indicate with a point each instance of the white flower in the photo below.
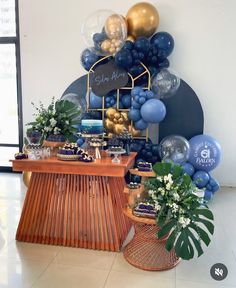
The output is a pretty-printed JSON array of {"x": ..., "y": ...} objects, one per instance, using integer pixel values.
[
  {"x": 157, "y": 206},
  {"x": 57, "y": 130},
  {"x": 168, "y": 186},
  {"x": 184, "y": 221},
  {"x": 151, "y": 192},
  {"x": 198, "y": 192},
  {"x": 53, "y": 122},
  {"x": 67, "y": 122},
  {"x": 174, "y": 207},
  {"x": 176, "y": 196},
  {"x": 159, "y": 178},
  {"x": 47, "y": 129},
  {"x": 168, "y": 179}
]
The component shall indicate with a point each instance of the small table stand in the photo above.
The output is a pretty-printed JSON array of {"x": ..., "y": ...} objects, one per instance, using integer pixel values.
[
  {"x": 97, "y": 147},
  {"x": 145, "y": 250},
  {"x": 116, "y": 155}
]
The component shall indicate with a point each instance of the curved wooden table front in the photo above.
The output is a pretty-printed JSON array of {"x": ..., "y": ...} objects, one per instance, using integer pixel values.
[{"x": 75, "y": 204}]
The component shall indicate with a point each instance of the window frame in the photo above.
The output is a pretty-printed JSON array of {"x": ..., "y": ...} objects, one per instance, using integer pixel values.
[{"x": 16, "y": 41}]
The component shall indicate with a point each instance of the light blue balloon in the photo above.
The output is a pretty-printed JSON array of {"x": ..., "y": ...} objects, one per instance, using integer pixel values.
[
  {"x": 205, "y": 152},
  {"x": 134, "y": 114},
  {"x": 208, "y": 195},
  {"x": 153, "y": 111},
  {"x": 140, "y": 125},
  {"x": 201, "y": 178},
  {"x": 214, "y": 184},
  {"x": 80, "y": 141},
  {"x": 136, "y": 90},
  {"x": 188, "y": 168},
  {"x": 136, "y": 105}
]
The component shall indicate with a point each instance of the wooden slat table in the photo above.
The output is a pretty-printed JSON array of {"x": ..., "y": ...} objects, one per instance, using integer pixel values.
[{"x": 75, "y": 204}]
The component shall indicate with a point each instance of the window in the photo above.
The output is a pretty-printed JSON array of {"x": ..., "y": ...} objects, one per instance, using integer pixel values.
[{"x": 10, "y": 89}]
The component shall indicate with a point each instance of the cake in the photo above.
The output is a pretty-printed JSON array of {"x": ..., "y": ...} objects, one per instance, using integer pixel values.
[
  {"x": 144, "y": 166},
  {"x": 133, "y": 185},
  {"x": 20, "y": 155},
  {"x": 71, "y": 151},
  {"x": 145, "y": 210},
  {"x": 91, "y": 126},
  {"x": 115, "y": 149}
]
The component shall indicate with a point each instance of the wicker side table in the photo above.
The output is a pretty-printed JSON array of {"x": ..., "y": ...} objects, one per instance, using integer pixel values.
[{"x": 145, "y": 250}]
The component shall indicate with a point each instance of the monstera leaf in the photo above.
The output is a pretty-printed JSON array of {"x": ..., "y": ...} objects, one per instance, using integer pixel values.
[{"x": 188, "y": 241}]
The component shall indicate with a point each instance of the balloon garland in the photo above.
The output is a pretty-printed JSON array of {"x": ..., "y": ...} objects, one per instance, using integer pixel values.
[{"x": 133, "y": 43}]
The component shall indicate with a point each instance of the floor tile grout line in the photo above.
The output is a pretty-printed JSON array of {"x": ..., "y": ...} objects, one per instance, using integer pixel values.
[
  {"x": 40, "y": 275},
  {"x": 113, "y": 262}
]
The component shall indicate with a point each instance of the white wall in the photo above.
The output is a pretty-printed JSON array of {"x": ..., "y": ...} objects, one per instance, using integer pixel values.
[{"x": 204, "y": 56}]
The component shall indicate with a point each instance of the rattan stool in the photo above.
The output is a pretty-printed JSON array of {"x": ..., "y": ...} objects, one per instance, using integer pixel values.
[{"x": 145, "y": 250}]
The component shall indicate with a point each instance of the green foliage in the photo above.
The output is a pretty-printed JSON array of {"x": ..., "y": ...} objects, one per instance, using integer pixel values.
[
  {"x": 181, "y": 212},
  {"x": 58, "y": 118}
]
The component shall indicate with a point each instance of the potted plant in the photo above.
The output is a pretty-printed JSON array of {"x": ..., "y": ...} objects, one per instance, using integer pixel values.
[
  {"x": 182, "y": 215},
  {"x": 57, "y": 122}
]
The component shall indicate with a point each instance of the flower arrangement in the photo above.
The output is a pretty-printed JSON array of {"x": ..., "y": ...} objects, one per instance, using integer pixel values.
[
  {"x": 57, "y": 121},
  {"x": 181, "y": 213}
]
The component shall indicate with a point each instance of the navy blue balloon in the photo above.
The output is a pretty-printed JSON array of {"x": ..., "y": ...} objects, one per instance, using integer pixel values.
[
  {"x": 201, "y": 178},
  {"x": 134, "y": 114},
  {"x": 205, "y": 152},
  {"x": 135, "y": 147},
  {"x": 92, "y": 115},
  {"x": 140, "y": 125},
  {"x": 155, "y": 150},
  {"x": 88, "y": 58},
  {"x": 126, "y": 100},
  {"x": 124, "y": 59},
  {"x": 128, "y": 45},
  {"x": 98, "y": 38},
  {"x": 121, "y": 106},
  {"x": 164, "y": 42},
  {"x": 95, "y": 101},
  {"x": 153, "y": 111},
  {"x": 165, "y": 63},
  {"x": 188, "y": 168},
  {"x": 142, "y": 44}
]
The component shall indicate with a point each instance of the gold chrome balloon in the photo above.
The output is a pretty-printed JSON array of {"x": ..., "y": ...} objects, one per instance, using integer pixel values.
[
  {"x": 133, "y": 131},
  {"x": 117, "y": 115},
  {"x": 106, "y": 45},
  {"x": 111, "y": 112},
  {"x": 119, "y": 128},
  {"x": 130, "y": 38},
  {"x": 109, "y": 125},
  {"x": 143, "y": 20},
  {"x": 115, "y": 27},
  {"x": 121, "y": 120},
  {"x": 26, "y": 177},
  {"x": 125, "y": 117}
]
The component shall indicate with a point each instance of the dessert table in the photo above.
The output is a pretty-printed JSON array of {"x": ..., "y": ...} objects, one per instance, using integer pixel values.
[{"x": 76, "y": 204}]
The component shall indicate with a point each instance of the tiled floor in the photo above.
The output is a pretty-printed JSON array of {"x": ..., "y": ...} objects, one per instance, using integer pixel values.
[{"x": 37, "y": 266}]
